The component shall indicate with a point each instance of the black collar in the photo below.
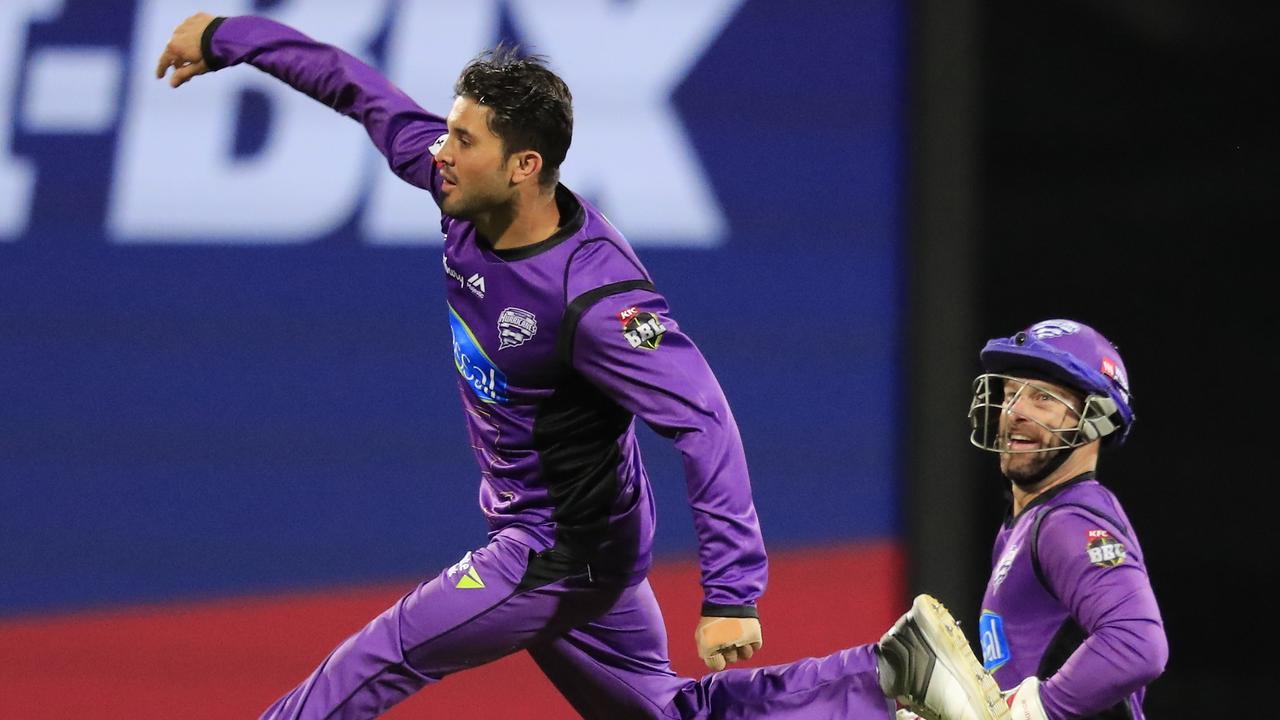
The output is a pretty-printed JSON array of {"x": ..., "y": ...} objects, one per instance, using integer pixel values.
[
  {"x": 1046, "y": 496},
  {"x": 572, "y": 218}
]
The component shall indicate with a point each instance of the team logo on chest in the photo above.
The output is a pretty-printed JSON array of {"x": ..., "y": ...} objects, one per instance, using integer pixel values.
[
  {"x": 1104, "y": 551},
  {"x": 515, "y": 326},
  {"x": 641, "y": 329},
  {"x": 1002, "y": 569}
]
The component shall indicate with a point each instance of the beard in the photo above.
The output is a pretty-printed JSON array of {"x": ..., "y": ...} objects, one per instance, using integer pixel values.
[
  {"x": 1027, "y": 469},
  {"x": 458, "y": 207}
]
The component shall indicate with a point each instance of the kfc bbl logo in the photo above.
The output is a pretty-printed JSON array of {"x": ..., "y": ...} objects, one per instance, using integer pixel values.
[
  {"x": 641, "y": 329},
  {"x": 1104, "y": 550}
]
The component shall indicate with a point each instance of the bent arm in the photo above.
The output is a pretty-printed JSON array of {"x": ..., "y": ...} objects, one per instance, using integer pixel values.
[
  {"x": 401, "y": 130},
  {"x": 656, "y": 372},
  {"x": 1125, "y": 648}
]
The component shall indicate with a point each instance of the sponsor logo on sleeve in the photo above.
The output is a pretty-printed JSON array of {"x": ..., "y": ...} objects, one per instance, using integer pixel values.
[
  {"x": 515, "y": 326},
  {"x": 641, "y": 329},
  {"x": 995, "y": 646},
  {"x": 1104, "y": 550}
]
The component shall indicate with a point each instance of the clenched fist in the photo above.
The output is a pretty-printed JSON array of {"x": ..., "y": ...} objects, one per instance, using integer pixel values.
[{"x": 723, "y": 640}]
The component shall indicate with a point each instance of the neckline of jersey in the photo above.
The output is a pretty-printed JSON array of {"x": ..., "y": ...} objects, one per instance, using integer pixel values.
[{"x": 569, "y": 207}]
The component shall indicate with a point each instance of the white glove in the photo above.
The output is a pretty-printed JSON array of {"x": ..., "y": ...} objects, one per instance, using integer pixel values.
[
  {"x": 905, "y": 714},
  {"x": 1024, "y": 701}
]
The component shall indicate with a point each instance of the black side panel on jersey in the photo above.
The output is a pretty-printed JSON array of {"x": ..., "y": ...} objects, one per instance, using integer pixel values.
[
  {"x": 1069, "y": 637},
  {"x": 1035, "y": 538},
  {"x": 576, "y": 433}
]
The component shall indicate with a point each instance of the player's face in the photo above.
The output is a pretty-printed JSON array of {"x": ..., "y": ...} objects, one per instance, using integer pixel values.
[
  {"x": 1032, "y": 411},
  {"x": 472, "y": 163}
]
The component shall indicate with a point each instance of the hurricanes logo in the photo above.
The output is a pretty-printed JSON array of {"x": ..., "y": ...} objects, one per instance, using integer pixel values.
[
  {"x": 1104, "y": 550},
  {"x": 1002, "y": 570},
  {"x": 641, "y": 329},
  {"x": 515, "y": 326},
  {"x": 1054, "y": 328}
]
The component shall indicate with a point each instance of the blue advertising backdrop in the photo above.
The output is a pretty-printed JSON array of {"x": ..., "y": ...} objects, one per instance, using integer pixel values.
[{"x": 224, "y": 354}]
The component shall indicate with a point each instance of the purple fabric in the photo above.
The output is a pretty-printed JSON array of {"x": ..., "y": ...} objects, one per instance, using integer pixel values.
[
  {"x": 532, "y": 375},
  {"x": 602, "y": 645},
  {"x": 670, "y": 386},
  {"x": 1097, "y": 580}
]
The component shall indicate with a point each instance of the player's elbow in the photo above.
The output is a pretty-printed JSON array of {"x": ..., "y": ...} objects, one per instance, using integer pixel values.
[
  {"x": 1159, "y": 655},
  {"x": 1153, "y": 656}
]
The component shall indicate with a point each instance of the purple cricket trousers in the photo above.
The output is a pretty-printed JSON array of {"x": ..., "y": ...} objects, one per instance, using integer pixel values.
[{"x": 602, "y": 644}]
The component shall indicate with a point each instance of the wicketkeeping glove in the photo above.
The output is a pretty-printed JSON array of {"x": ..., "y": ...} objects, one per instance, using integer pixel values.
[
  {"x": 723, "y": 640},
  {"x": 1024, "y": 701}
]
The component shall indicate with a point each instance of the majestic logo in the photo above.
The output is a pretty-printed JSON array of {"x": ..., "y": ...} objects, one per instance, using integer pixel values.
[
  {"x": 1104, "y": 551},
  {"x": 465, "y": 573},
  {"x": 641, "y": 329},
  {"x": 995, "y": 646},
  {"x": 477, "y": 369},
  {"x": 475, "y": 283},
  {"x": 515, "y": 326},
  {"x": 1002, "y": 569},
  {"x": 1054, "y": 328}
]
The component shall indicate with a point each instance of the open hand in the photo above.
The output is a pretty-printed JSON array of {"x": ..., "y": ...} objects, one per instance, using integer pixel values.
[{"x": 182, "y": 53}]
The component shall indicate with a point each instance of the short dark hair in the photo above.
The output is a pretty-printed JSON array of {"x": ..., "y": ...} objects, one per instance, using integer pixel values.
[{"x": 531, "y": 106}]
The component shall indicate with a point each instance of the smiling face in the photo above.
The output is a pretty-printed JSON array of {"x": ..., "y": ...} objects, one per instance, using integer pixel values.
[
  {"x": 1038, "y": 420},
  {"x": 473, "y": 163}
]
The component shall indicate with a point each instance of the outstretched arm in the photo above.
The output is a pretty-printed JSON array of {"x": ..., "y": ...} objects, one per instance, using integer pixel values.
[{"x": 401, "y": 130}]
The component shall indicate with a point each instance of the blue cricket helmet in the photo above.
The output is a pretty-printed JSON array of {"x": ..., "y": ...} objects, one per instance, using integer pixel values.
[{"x": 1078, "y": 356}]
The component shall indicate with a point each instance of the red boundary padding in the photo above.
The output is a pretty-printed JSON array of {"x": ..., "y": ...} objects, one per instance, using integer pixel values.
[{"x": 232, "y": 658}]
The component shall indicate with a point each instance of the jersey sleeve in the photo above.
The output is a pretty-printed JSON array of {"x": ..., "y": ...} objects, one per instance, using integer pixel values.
[
  {"x": 1097, "y": 572},
  {"x": 403, "y": 132},
  {"x": 629, "y": 346}
]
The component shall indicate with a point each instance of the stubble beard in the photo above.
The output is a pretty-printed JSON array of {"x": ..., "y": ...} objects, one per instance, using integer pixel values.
[{"x": 1026, "y": 469}]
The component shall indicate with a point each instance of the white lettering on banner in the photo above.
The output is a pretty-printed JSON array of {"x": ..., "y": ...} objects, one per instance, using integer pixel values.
[
  {"x": 17, "y": 176},
  {"x": 72, "y": 89},
  {"x": 177, "y": 179},
  {"x": 430, "y": 42},
  {"x": 623, "y": 69}
]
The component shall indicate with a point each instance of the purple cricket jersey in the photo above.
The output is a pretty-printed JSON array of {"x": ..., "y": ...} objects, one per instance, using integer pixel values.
[
  {"x": 558, "y": 346},
  {"x": 1069, "y": 601}
]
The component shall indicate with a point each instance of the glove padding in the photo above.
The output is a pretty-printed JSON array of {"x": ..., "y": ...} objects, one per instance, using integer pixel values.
[
  {"x": 1024, "y": 701},
  {"x": 722, "y": 640}
]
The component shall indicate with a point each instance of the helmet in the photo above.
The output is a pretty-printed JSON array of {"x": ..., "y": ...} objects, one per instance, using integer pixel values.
[{"x": 1070, "y": 353}]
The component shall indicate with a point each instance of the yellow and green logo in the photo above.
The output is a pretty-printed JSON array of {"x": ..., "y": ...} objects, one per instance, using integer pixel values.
[{"x": 470, "y": 579}]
